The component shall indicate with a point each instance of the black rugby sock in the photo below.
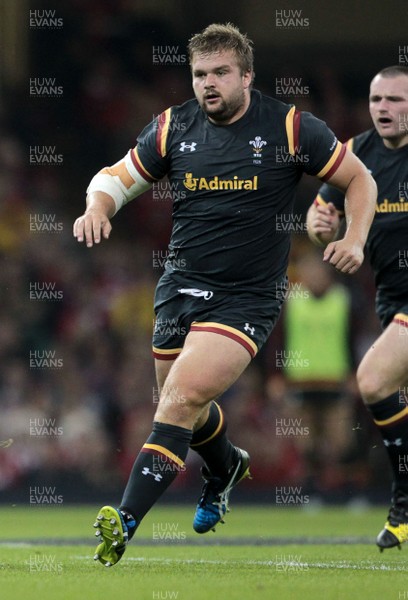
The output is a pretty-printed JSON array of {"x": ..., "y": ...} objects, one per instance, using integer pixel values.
[
  {"x": 157, "y": 465},
  {"x": 391, "y": 417},
  {"x": 212, "y": 444}
]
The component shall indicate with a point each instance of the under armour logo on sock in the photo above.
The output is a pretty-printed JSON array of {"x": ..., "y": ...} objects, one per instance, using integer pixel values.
[
  {"x": 157, "y": 476},
  {"x": 397, "y": 442}
]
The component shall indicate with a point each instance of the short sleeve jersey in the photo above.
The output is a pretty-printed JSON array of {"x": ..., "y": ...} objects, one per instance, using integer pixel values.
[
  {"x": 387, "y": 243},
  {"x": 234, "y": 187}
]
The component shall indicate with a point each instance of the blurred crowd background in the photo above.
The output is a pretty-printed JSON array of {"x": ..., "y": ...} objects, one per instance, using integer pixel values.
[{"x": 77, "y": 388}]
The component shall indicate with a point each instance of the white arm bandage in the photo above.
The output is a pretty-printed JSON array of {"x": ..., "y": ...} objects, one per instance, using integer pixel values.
[{"x": 121, "y": 181}]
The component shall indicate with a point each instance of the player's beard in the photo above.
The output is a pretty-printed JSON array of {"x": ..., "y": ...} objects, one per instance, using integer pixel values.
[{"x": 226, "y": 109}]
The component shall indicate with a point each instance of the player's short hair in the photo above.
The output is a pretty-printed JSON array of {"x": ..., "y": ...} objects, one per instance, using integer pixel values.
[
  {"x": 393, "y": 71},
  {"x": 217, "y": 37}
]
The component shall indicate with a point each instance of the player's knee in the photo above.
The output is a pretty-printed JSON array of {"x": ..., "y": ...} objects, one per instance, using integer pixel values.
[
  {"x": 187, "y": 399},
  {"x": 370, "y": 385},
  {"x": 192, "y": 392},
  {"x": 182, "y": 398},
  {"x": 182, "y": 403}
]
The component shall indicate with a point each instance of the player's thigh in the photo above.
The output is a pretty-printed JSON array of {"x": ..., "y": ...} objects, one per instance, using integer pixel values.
[
  {"x": 162, "y": 369},
  {"x": 207, "y": 366},
  {"x": 384, "y": 367}
]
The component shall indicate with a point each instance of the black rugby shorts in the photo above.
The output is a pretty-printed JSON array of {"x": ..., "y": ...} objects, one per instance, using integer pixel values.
[{"x": 247, "y": 317}]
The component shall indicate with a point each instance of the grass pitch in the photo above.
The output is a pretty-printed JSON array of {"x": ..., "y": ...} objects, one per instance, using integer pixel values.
[{"x": 260, "y": 553}]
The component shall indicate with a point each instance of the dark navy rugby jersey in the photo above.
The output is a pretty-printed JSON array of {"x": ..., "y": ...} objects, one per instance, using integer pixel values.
[
  {"x": 387, "y": 243},
  {"x": 232, "y": 185}
]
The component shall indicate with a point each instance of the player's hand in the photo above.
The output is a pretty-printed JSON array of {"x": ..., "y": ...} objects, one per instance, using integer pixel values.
[
  {"x": 346, "y": 256},
  {"x": 92, "y": 227},
  {"x": 324, "y": 222}
]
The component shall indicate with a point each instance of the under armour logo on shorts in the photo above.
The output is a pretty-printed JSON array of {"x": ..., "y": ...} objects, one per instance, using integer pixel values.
[
  {"x": 197, "y": 293},
  {"x": 249, "y": 328}
]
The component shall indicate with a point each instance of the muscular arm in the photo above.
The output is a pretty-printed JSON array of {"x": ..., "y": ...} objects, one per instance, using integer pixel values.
[
  {"x": 108, "y": 191},
  {"x": 346, "y": 254}
]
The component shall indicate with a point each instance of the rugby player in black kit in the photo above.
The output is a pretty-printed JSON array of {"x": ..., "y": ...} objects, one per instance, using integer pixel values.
[
  {"x": 383, "y": 373},
  {"x": 237, "y": 159}
]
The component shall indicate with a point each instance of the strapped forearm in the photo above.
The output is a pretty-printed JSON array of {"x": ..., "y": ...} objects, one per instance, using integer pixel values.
[{"x": 121, "y": 182}]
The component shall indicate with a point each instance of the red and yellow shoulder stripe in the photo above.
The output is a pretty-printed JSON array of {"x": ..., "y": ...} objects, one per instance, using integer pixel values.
[
  {"x": 292, "y": 124},
  {"x": 162, "y": 131},
  {"x": 163, "y": 125},
  {"x": 143, "y": 172},
  {"x": 333, "y": 163}
]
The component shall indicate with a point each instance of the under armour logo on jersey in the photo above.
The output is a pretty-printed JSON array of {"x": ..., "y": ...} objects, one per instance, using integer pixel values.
[
  {"x": 249, "y": 328},
  {"x": 157, "y": 476},
  {"x": 206, "y": 294},
  {"x": 397, "y": 442},
  {"x": 191, "y": 147}
]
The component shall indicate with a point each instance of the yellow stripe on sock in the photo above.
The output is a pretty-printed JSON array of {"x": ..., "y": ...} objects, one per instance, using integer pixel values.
[
  {"x": 215, "y": 433},
  {"x": 400, "y": 415},
  {"x": 166, "y": 452}
]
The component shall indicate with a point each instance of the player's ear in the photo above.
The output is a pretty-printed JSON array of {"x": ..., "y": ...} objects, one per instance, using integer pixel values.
[{"x": 248, "y": 79}]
